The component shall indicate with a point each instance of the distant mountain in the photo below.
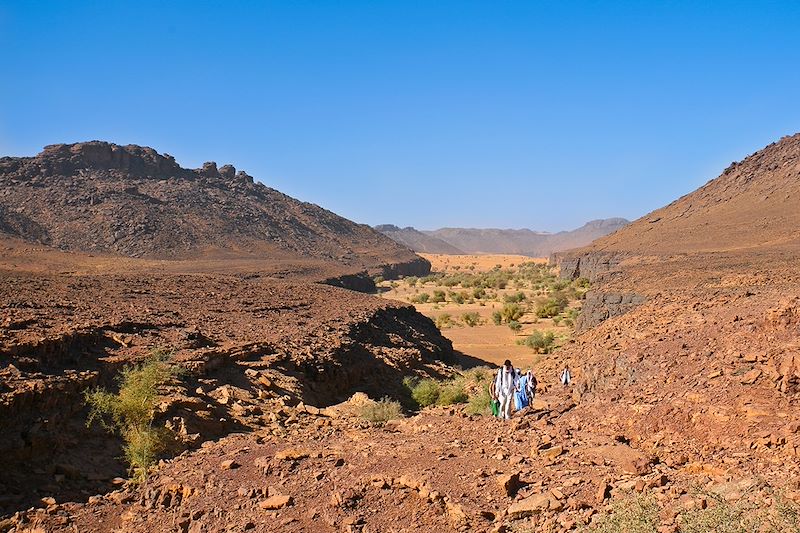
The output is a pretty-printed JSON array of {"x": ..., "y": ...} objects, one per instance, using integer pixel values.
[
  {"x": 417, "y": 240},
  {"x": 501, "y": 241}
]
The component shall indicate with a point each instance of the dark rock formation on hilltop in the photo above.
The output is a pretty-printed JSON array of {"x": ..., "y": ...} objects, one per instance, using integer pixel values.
[{"x": 130, "y": 200}]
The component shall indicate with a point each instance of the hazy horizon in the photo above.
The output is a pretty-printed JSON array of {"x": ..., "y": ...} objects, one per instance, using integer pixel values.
[{"x": 513, "y": 115}]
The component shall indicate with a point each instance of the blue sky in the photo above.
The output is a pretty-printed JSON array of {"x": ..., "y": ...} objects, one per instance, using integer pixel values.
[{"x": 435, "y": 113}]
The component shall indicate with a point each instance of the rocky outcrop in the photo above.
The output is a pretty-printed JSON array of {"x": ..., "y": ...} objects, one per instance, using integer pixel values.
[
  {"x": 600, "y": 306},
  {"x": 415, "y": 267},
  {"x": 581, "y": 264}
]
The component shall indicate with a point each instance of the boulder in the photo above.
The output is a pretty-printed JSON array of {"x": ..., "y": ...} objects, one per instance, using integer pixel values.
[{"x": 529, "y": 506}]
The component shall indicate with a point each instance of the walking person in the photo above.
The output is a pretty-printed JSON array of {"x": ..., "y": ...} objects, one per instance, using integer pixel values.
[
  {"x": 522, "y": 391},
  {"x": 505, "y": 385},
  {"x": 531, "y": 384},
  {"x": 566, "y": 376},
  {"x": 494, "y": 402}
]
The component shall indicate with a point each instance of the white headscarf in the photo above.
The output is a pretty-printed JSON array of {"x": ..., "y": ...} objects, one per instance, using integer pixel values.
[{"x": 505, "y": 381}]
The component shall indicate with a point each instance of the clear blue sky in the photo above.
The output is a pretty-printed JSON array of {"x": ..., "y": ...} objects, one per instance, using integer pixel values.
[{"x": 426, "y": 113}]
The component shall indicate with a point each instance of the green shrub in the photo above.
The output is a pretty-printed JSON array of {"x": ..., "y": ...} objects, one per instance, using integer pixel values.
[
  {"x": 131, "y": 411},
  {"x": 412, "y": 281},
  {"x": 380, "y": 412},
  {"x": 541, "y": 342},
  {"x": 438, "y": 296},
  {"x": 445, "y": 320},
  {"x": 425, "y": 392},
  {"x": 511, "y": 312},
  {"x": 452, "y": 392},
  {"x": 568, "y": 322},
  {"x": 471, "y": 319},
  {"x": 459, "y": 297},
  {"x": 514, "y": 326},
  {"x": 421, "y": 298},
  {"x": 514, "y": 298},
  {"x": 632, "y": 515},
  {"x": 556, "y": 320},
  {"x": 497, "y": 318},
  {"x": 479, "y": 401},
  {"x": 551, "y": 306},
  {"x": 478, "y": 293},
  {"x": 582, "y": 283}
]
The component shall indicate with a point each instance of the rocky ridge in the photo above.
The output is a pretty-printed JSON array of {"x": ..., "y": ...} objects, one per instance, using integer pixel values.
[{"x": 99, "y": 197}]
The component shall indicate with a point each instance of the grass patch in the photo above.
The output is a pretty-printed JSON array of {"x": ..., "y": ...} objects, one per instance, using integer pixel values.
[
  {"x": 633, "y": 514},
  {"x": 380, "y": 412}
]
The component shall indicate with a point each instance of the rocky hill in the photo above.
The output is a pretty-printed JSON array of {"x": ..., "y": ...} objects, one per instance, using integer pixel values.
[
  {"x": 130, "y": 200},
  {"x": 691, "y": 329},
  {"x": 501, "y": 241},
  {"x": 417, "y": 240}
]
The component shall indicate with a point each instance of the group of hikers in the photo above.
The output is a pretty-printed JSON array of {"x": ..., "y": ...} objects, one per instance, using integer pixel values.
[{"x": 512, "y": 390}]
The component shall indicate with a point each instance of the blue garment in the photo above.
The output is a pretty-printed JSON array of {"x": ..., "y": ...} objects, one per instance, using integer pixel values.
[{"x": 521, "y": 396}]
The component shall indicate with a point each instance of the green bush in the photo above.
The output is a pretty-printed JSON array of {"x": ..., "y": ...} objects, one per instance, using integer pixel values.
[
  {"x": 514, "y": 298},
  {"x": 511, "y": 312},
  {"x": 425, "y": 392},
  {"x": 438, "y": 296},
  {"x": 452, "y": 392},
  {"x": 541, "y": 342},
  {"x": 556, "y": 320},
  {"x": 131, "y": 411},
  {"x": 497, "y": 318},
  {"x": 551, "y": 306},
  {"x": 582, "y": 283},
  {"x": 471, "y": 319},
  {"x": 445, "y": 320},
  {"x": 412, "y": 281},
  {"x": 478, "y": 293},
  {"x": 380, "y": 412},
  {"x": 459, "y": 297},
  {"x": 514, "y": 326},
  {"x": 421, "y": 298},
  {"x": 479, "y": 401}
]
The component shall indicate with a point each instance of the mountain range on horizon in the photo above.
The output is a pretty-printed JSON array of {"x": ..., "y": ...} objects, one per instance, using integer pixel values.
[{"x": 500, "y": 241}]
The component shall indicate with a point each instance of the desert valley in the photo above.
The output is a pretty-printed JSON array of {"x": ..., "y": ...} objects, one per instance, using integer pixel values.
[{"x": 294, "y": 371}]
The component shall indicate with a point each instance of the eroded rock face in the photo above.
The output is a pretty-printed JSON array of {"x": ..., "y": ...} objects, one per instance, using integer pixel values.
[
  {"x": 599, "y": 306},
  {"x": 130, "y": 200}
]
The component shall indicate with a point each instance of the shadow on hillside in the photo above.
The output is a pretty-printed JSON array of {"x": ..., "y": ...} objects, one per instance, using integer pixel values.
[{"x": 466, "y": 362}]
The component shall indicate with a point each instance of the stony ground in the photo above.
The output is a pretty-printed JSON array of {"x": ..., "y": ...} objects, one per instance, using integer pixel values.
[{"x": 545, "y": 470}]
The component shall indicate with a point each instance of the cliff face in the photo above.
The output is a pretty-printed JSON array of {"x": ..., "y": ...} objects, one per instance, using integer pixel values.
[{"x": 130, "y": 200}]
